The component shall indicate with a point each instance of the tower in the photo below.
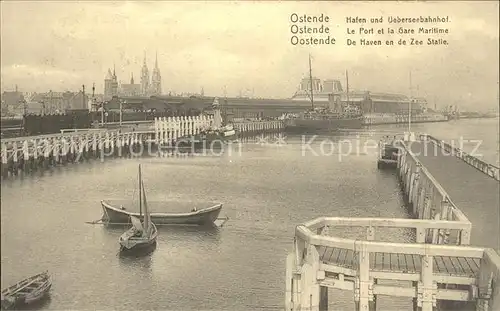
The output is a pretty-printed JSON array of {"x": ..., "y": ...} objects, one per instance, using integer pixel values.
[
  {"x": 108, "y": 85},
  {"x": 156, "y": 79},
  {"x": 144, "y": 77},
  {"x": 114, "y": 83}
]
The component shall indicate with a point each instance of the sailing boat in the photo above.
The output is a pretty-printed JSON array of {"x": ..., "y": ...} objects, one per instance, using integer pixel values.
[{"x": 142, "y": 235}]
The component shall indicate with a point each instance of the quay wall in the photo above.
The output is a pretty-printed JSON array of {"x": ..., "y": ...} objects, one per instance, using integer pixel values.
[
  {"x": 436, "y": 269},
  {"x": 383, "y": 118}
]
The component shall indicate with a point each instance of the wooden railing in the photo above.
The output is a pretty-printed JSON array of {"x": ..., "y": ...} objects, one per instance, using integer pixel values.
[
  {"x": 308, "y": 269},
  {"x": 487, "y": 168}
]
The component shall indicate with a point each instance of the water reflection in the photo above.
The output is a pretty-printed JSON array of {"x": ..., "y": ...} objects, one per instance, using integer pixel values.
[
  {"x": 140, "y": 259},
  {"x": 39, "y": 305}
]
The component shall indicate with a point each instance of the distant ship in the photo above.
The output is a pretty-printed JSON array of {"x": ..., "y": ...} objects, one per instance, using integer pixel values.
[
  {"x": 323, "y": 119},
  {"x": 219, "y": 132}
]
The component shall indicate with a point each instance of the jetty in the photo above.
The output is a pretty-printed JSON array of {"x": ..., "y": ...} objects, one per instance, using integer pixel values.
[
  {"x": 447, "y": 191},
  {"x": 31, "y": 153}
]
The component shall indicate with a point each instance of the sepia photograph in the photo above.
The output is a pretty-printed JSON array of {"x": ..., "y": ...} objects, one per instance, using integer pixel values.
[{"x": 250, "y": 155}]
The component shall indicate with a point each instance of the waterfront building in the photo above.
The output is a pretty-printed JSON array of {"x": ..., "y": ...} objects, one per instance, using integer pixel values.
[
  {"x": 329, "y": 93},
  {"x": 148, "y": 86},
  {"x": 130, "y": 89},
  {"x": 12, "y": 102}
]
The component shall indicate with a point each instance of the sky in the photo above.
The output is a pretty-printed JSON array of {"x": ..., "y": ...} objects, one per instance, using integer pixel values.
[{"x": 235, "y": 47}]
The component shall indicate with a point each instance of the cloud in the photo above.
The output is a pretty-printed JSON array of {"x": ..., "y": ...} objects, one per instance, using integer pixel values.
[{"x": 244, "y": 45}]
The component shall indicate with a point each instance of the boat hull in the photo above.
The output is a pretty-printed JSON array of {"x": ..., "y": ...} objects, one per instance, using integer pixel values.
[
  {"x": 387, "y": 164},
  {"x": 202, "y": 217},
  {"x": 39, "y": 296},
  {"x": 130, "y": 244},
  {"x": 40, "y": 287},
  {"x": 388, "y": 155},
  {"x": 307, "y": 125},
  {"x": 139, "y": 249}
]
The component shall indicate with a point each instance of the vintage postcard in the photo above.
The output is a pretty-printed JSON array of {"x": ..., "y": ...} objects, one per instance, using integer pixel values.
[{"x": 250, "y": 155}]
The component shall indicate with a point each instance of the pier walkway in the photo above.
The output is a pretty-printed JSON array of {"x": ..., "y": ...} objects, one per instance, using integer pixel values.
[
  {"x": 471, "y": 183},
  {"x": 435, "y": 268}
]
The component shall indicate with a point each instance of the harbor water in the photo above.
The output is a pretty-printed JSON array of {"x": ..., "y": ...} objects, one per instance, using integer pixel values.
[{"x": 267, "y": 186}]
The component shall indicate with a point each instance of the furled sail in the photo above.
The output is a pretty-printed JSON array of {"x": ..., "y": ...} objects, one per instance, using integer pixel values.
[{"x": 136, "y": 222}]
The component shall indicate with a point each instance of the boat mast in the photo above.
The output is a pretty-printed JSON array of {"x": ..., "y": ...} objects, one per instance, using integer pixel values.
[
  {"x": 223, "y": 110},
  {"x": 409, "y": 107},
  {"x": 347, "y": 85},
  {"x": 311, "y": 82},
  {"x": 140, "y": 191}
]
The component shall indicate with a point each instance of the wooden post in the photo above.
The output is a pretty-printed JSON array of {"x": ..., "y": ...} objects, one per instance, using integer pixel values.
[
  {"x": 408, "y": 182},
  {"x": 73, "y": 149},
  {"x": 299, "y": 248},
  {"x": 35, "y": 154},
  {"x": 55, "y": 150},
  {"x": 419, "y": 210},
  {"x": 363, "y": 292},
  {"x": 94, "y": 145},
  {"x": 465, "y": 236},
  {"x": 64, "y": 148},
  {"x": 485, "y": 283},
  {"x": 370, "y": 233},
  {"x": 444, "y": 234},
  {"x": 46, "y": 153},
  {"x": 290, "y": 298},
  {"x": 323, "y": 298},
  {"x": 15, "y": 167},
  {"x": 26, "y": 156},
  {"x": 310, "y": 289},
  {"x": 5, "y": 162},
  {"x": 106, "y": 144},
  {"x": 426, "y": 288}
]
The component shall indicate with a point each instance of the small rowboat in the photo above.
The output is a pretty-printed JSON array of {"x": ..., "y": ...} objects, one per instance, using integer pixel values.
[{"x": 27, "y": 291}]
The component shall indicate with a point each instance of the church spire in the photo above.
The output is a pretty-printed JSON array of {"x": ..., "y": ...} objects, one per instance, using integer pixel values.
[
  {"x": 156, "y": 78},
  {"x": 145, "y": 87},
  {"x": 132, "y": 78}
]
